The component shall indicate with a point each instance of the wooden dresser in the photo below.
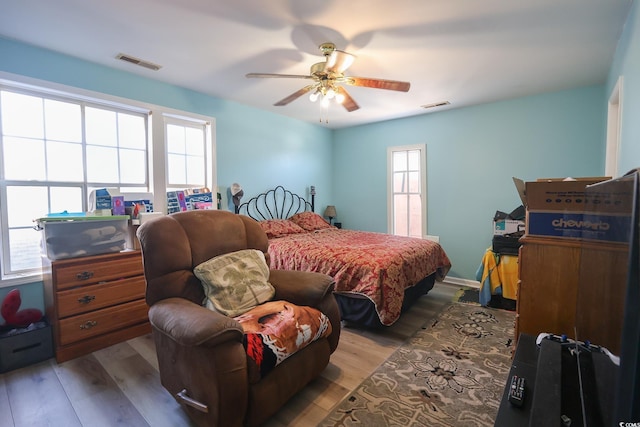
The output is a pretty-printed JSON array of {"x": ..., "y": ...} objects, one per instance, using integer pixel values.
[
  {"x": 560, "y": 279},
  {"x": 94, "y": 302}
]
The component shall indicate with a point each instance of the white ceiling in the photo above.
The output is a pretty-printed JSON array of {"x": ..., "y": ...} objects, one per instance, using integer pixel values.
[{"x": 466, "y": 52}]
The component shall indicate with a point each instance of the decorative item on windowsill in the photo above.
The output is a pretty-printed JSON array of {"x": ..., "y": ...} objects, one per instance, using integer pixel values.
[
  {"x": 236, "y": 194},
  {"x": 330, "y": 212}
]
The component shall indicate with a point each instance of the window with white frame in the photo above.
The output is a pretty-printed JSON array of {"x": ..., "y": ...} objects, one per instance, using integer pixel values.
[
  {"x": 407, "y": 210},
  {"x": 56, "y": 148},
  {"x": 186, "y": 148}
]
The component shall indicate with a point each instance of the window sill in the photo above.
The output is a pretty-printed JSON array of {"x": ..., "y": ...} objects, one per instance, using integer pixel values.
[{"x": 20, "y": 279}]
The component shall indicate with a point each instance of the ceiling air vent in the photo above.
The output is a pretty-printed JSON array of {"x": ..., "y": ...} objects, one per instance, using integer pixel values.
[
  {"x": 138, "y": 61},
  {"x": 436, "y": 104}
]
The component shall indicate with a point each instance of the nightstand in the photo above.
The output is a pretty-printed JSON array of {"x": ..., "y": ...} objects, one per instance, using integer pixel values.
[{"x": 94, "y": 302}]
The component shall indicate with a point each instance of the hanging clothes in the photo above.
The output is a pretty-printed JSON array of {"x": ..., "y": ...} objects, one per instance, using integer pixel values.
[{"x": 498, "y": 275}]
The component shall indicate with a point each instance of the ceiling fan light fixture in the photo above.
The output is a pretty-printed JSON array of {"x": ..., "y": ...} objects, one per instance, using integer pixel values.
[
  {"x": 328, "y": 80},
  {"x": 338, "y": 61}
]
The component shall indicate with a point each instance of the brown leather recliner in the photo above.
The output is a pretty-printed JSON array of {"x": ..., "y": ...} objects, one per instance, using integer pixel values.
[{"x": 202, "y": 361}]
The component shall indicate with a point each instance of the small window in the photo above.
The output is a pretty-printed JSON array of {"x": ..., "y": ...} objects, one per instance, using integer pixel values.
[
  {"x": 407, "y": 191},
  {"x": 186, "y": 153}
]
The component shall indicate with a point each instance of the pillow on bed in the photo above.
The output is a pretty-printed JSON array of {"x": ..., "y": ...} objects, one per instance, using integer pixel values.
[
  {"x": 280, "y": 227},
  {"x": 310, "y": 221},
  {"x": 236, "y": 282}
]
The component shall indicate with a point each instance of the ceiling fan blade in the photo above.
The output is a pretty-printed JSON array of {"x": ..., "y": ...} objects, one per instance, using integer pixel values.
[
  {"x": 378, "y": 83},
  {"x": 349, "y": 103},
  {"x": 339, "y": 61},
  {"x": 279, "y": 76},
  {"x": 294, "y": 95}
]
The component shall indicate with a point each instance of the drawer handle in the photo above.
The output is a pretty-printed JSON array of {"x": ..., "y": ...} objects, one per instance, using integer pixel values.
[
  {"x": 85, "y": 275},
  {"x": 86, "y": 299},
  {"x": 88, "y": 324},
  {"x": 184, "y": 398}
]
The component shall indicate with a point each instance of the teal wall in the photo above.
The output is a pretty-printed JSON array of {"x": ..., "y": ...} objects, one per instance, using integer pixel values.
[
  {"x": 627, "y": 64},
  {"x": 472, "y": 154}
]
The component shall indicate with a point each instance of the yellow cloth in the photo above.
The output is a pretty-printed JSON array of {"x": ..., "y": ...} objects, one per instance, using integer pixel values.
[{"x": 500, "y": 274}]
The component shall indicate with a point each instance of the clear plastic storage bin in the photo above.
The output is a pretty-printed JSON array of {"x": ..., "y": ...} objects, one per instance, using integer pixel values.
[{"x": 70, "y": 237}]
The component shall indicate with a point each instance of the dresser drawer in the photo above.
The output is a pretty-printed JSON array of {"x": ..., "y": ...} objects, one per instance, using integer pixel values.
[
  {"x": 83, "y": 326},
  {"x": 93, "y": 297},
  {"x": 78, "y": 272}
]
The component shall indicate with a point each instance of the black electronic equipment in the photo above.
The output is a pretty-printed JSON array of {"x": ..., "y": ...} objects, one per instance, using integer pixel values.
[
  {"x": 507, "y": 244},
  {"x": 627, "y": 388},
  {"x": 516, "y": 391}
]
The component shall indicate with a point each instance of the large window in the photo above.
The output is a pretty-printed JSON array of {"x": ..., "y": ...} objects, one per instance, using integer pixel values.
[
  {"x": 407, "y": 190},
  {"x": 54, "y": 150},
  {"x": 57, "y": 148}
]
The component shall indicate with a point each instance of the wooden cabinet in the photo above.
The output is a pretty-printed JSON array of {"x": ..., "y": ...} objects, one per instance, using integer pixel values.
[
  {"x": 568, "y": 284},
  {"x": 548, "y": 286},
  {"x": 94, "y": 302}
]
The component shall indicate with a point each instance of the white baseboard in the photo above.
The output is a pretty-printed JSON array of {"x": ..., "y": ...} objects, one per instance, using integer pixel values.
[{"x": 462, "y": 282}]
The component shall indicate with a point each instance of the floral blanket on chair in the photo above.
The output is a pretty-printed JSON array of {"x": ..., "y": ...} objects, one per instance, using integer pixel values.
[{"x": 275, "y": 330}]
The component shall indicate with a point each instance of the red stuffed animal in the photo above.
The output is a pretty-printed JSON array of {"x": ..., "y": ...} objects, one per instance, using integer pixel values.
[{"x": 12, "y": 316}]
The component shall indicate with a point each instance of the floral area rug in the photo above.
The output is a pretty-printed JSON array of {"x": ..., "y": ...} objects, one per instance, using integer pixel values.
[{"x": 451, "y": 373}]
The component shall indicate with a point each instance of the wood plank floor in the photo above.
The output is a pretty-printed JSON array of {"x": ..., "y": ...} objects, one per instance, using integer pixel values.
[{"x": 120, "y": 385}]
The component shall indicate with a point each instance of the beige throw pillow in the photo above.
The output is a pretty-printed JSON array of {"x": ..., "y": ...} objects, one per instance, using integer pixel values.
[{"x": 236, "y": 282}]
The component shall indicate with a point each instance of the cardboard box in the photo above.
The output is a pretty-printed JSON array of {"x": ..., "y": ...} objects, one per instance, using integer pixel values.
[
  {"x": 134, "y": 208},
  {"x": 25, "y": 348},
  {"x": 176, "y": 201},
  {"x": 611, "y": 209},
  {"x": 102, "y": 199},
  {"x": 507, "y": 226},
  {"x": 117, "y": 205},
  {"x": 200, "y": 201},
  {"x": 557, "y": 207}
]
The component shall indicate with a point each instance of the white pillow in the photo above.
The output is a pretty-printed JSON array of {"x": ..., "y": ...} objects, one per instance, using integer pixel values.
[{"x": 236, "y": 282}]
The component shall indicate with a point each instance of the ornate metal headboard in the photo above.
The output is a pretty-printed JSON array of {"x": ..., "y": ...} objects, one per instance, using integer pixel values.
[{"x": 277, "y": 203}]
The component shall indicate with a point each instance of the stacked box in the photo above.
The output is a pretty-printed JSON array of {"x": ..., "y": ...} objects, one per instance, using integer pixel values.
[
  {"x": 610, "y": 212},
  {"x": 25, "y": 348},
  {"x": 200, "y": 201},
  {"x": 106, "y": 200},
  {"x": 176, "y": 202},
  {"x": 565, "y": 209},
  {"x": 507, "y": 226}
]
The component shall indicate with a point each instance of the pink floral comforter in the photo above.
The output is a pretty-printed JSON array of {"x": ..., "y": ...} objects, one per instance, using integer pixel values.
[{"x": 374, "y": 265}]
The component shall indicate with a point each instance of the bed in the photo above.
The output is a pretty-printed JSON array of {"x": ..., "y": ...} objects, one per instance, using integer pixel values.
[{"x": 378, "y": 276}]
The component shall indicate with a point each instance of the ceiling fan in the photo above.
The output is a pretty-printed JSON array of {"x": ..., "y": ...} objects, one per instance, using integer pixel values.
[{"x": 328, "y": 78}]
